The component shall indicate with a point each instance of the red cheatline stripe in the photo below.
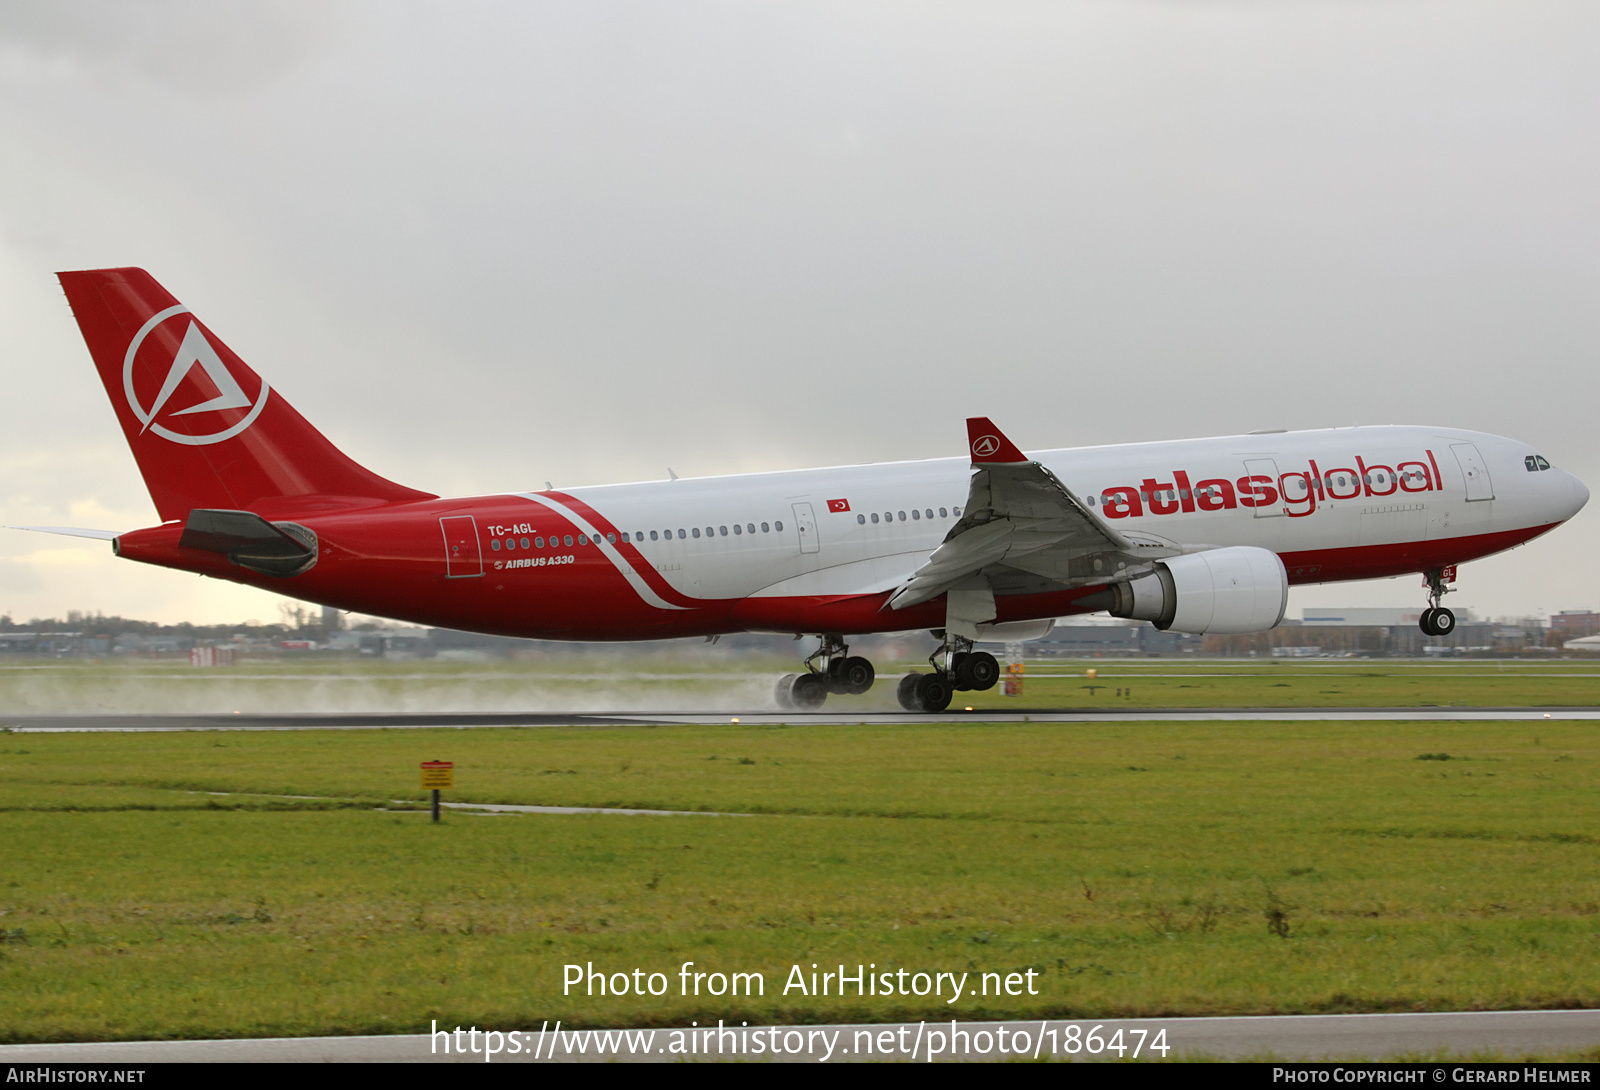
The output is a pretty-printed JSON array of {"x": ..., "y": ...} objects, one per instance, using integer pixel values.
[{"x": 641, "y": 567}]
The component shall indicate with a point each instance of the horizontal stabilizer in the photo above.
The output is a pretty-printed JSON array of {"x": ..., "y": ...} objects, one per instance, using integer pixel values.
[
  {"x": 250, "y": 541},
  {"x": 70, "y": 531},
  {"x": 238, "y": 531}
]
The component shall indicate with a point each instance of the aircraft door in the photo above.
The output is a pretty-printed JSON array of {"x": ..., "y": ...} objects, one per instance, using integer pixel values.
[
  {"x": 805, "y": 521},
  {"x": 1479, "y": 486},
  {"x": 462, "y": 556},
  {"x": 1266, "y": 467}
]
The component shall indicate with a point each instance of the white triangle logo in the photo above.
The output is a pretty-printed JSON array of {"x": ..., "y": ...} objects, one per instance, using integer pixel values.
[{"x": 196, "y": 349}]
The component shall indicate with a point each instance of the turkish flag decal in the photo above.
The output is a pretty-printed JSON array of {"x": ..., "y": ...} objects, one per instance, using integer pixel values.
[{"x": 836, "y": 506}]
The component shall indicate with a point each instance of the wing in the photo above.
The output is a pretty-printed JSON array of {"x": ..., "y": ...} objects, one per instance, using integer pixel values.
[{"x": 1022, "y": 531}]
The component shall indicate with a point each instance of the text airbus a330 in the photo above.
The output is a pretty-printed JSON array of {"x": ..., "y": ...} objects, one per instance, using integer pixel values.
[{"x": 1195, "y": 535}]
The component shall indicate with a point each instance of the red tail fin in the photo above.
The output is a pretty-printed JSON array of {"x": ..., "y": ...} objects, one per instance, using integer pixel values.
[{"x": 204, "y": 428}]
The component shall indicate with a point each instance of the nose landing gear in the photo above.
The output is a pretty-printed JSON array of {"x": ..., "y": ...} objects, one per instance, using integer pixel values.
[
  {"x": 963, "y": 669},
  {"x": 1436, "y": 620},
  {"x": 829, "y": 669}
]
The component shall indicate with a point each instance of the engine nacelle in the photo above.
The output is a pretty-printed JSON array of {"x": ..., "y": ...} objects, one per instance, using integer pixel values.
[{"x": 1239, "y": 589}]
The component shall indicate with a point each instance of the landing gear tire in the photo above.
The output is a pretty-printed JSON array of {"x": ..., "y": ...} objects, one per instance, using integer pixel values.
[
  {"x": 1426, "y": 621},
  {"x": 852, "y": 676},
  {"x": 906, "y": 693},
  {"x": 959, "y": 677},
  {"x": 807, "y": 692},
  {"x": 1441, "y": 622},
  {"x": 924, "y": 692},
  {"x": 982, "y": 671},
  {"x": 781, "y": 692},
  {"x": 858, "y": 674},
  {"x": 933, "y": 692}
]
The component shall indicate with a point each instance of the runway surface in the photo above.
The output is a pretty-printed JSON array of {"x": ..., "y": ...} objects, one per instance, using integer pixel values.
[
  {"x": 843, "y": 714},
  {"x": 1290, "y": 1037}
]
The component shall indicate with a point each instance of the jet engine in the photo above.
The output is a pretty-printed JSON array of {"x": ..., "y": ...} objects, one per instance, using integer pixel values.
[{"x": 1238, "y": 589}]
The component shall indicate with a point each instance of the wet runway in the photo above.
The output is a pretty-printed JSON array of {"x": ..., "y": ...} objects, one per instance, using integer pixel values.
[
  {"x": 840, "y": 714},
  {"x": 1284, "y": 1037}
]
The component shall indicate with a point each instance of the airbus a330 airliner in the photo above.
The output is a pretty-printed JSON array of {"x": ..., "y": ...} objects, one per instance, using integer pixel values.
[{"x": 1196, "y": 535}]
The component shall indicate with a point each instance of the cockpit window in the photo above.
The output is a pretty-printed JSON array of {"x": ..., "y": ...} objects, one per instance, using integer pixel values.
[
  {"x": 1532, "y": 462},
  {"x": 1542, "y": 463}
]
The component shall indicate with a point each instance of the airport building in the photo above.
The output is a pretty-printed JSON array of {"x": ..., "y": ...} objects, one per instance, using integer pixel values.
[{"x": 1346, "y": 632}]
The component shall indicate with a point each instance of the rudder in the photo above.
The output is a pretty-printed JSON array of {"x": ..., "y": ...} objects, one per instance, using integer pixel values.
[{"x": 206, "y": 430}]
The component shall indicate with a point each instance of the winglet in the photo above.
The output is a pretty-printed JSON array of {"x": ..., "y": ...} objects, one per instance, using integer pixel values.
[{"x": 989, "y": 446}]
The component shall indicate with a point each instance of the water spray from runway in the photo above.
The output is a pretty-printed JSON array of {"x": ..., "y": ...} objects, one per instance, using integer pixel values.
[{"x": 568, "y": 683}]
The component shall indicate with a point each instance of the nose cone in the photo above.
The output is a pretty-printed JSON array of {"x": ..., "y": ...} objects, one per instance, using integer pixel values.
[{"x": 1580, "y": 496}]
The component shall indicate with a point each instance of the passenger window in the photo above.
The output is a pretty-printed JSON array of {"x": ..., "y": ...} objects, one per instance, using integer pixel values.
[
  {"x": 495, "y": 542},
  {"x": 525, "y": 543},
  {"x": 943, "y": 513},
  {"x": 696, "y": 531},
  {"x": 652, "y": 535},
  {"x": 710, "y": 532},
  {"x": 764, "y": 529},
  {"x": 737, "y": 529},
  {"x": 568, "y": 540},
  {"x": 682, "y": 535},
  {"x": 538, "y": 543},
  {"x": 929, "y": 512},
  {"x": 957, "y": 511},
  {"x": 582, "y": 540},
  {"x": 915, "y": 513},
  {"x": 902, "y": 516},
  {"x": 749, "y": 527},
  {"x": 861, "y": 520},
  {"x": 874, "y": 516},
  {"x": 722, "y": 529},
  {"x": 1091, "y": 501},
  {"x": 778, "y": 526}
]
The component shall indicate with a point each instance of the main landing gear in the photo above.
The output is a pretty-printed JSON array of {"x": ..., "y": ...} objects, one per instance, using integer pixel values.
[
  {"x": 962, "y": 669},
  {"x": 829, "y": 669},
  {"x": 1436, "y": 620}
]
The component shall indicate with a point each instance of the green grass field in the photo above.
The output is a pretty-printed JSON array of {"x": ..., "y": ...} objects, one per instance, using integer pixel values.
[{"x": 1135, "y": 868}]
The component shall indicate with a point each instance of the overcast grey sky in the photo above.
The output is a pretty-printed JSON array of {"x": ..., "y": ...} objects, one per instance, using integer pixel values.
[{"x": 486, "y": 245}]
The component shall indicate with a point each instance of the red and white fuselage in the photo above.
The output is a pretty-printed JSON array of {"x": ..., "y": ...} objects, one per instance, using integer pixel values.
[
  {"x": 818, "y": 550},
  {"x": 811, "y": 551}
]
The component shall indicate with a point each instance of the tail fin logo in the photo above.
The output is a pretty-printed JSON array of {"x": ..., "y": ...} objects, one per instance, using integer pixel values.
[{"x": 194, "y": 349}]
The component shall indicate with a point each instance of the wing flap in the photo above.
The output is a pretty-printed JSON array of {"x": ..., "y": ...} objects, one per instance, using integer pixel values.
[{"x": 1019, "y": 516}]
